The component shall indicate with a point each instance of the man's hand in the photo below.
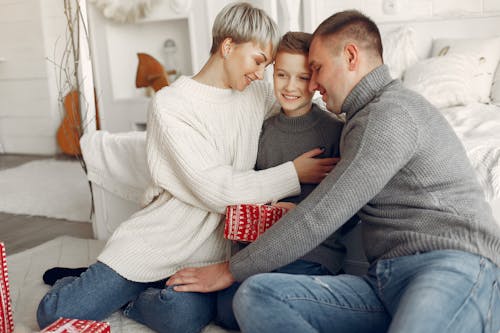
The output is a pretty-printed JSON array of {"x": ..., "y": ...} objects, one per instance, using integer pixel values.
[
  {"x": 313, "y": 170},
  {"x": 202, "y": 279}
]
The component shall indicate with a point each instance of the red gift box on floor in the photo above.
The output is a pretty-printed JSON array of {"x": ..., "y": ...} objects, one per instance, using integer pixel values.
[
  {"x": 66, "y": 325},
  {"x": 6, "y": 319},
  {"x": 247, "y": 222}
]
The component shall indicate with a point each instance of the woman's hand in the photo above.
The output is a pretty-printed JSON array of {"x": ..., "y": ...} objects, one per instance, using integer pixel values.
[
  {"x": 202, "y": 279},
  {"x": 313, "y": 170}
]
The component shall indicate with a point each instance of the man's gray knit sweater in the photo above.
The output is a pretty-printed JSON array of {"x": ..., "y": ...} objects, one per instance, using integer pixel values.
[{"x": 405, "y": 171}]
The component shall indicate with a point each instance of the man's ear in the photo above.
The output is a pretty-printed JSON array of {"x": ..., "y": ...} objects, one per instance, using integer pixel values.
[
  {"x": 351, "y": 53},
  {"x": 225, "y": 47}
]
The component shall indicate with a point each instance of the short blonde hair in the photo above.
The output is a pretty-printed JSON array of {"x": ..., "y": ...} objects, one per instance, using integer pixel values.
[{"x": 244, "y": 23}]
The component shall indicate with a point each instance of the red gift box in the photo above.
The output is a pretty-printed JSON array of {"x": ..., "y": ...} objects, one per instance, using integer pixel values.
[
  {"x": 66, "y": 325},
  {"x": 6, "y": 319},
  {"x": 247, "y": 222}
]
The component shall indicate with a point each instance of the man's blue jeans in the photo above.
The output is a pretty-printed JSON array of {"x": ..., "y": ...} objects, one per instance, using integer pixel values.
[
  {"x": 438, "y": 291},
  {"x": 100, "y": 291},
  {"x": 225, "y": 314}
]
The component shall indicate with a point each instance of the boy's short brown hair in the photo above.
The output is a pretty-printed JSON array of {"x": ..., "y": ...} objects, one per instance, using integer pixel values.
[{"x": 295, "y": 42}]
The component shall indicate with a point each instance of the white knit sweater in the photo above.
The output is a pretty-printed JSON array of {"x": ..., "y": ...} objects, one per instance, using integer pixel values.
[{"x": 201, "y": 149}]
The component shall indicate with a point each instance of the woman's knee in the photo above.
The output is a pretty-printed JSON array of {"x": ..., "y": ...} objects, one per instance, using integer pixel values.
[
  {"x": 47, "y": 311},
  {"x": 166, "y": 310}
]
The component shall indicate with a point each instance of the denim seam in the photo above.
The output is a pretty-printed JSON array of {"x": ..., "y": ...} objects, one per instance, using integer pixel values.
[
  {"x": 491, "y": 304},
  {"x": 358, "y": 309},
  {"x": 386, "y": 275},
  {"x": 472, "y": 292}
]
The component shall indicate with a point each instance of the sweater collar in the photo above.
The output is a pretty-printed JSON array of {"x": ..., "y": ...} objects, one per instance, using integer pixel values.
[
  {"x": 366, "y": 90},
  {"x": 300, "y": 123},
  {"x": 203, "y": 91}
]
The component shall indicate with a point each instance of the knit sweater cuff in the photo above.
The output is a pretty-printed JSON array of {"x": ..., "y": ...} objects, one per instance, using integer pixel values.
[{"x": 240, "y": 266}]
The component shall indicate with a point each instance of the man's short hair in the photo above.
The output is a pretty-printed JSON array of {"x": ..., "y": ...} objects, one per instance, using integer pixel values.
[
  {"x": 352, "y": 24},
  {"x": 295, "y": 42},
  {"x": 244, "y": 23}
]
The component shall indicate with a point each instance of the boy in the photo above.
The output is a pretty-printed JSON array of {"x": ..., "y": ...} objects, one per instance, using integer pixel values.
[{"x": 299, "y": 127}]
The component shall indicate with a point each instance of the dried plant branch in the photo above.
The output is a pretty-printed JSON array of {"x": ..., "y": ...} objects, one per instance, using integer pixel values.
[{"x": 68, "y": 80}]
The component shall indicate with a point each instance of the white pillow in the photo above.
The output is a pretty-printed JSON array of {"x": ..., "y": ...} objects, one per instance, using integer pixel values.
[
  {"x": 399, "y": 50},
  {"x": 495, "y": 87},
  {"x": 445, "y": 81},
  {"x": 488, "y": 53}
]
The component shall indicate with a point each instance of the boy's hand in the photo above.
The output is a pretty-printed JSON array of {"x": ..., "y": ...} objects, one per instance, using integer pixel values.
[
  {"x": 313, "y": 170},
  {"x": 202, "y": 279}
]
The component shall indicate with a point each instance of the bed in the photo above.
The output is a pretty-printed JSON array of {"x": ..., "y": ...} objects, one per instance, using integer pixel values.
[{"x": 117, "y": 168}]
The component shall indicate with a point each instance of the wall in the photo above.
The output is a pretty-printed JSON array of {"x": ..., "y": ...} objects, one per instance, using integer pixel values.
[
  {"x": 382, "y": 11},
  {"x": 27, "y": 115},
  {"x": 122, "y": 107},
  {"x": 33, "y": 37}
]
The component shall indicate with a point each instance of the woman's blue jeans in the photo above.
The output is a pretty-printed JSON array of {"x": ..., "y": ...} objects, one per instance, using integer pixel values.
[
  {"x": 438, "y": 291},
  {"x": 100, "y": 291},
  {"x": 156, "y": 311}
]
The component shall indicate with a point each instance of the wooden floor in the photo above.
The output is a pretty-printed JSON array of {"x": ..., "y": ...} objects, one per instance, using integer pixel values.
[{"x": 21, "y": 232}]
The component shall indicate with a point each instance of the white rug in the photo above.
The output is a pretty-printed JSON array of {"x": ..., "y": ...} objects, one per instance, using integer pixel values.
[{"x": 48, "y": 188}]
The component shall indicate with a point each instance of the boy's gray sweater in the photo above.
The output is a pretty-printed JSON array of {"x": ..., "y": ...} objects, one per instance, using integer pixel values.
[
  {"x": 405, "y": 171},
  {"x": 285, "y": 138}
]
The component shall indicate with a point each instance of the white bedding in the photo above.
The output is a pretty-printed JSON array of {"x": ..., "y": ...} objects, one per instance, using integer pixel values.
[
  {"x": 478, "y": 127},
  {"x": 27, "y": 288}
]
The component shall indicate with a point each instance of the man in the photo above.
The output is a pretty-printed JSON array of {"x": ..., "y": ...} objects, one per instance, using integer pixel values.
[{"x": 428, "y": 232}]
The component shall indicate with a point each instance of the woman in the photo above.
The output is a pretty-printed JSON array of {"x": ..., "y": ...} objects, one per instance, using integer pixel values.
[{"x": 201, "y": 148}]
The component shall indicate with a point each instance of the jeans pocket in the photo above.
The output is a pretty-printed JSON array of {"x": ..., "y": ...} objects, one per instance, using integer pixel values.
[{"x": 493, "y": 319}]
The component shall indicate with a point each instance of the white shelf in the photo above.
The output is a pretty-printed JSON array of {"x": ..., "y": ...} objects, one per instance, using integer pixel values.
[
  {"x": 115, "y": 46},
  {"x": 126, "y": 40}
]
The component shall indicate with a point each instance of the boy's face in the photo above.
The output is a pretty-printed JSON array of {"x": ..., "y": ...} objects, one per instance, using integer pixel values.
[{"x": 291, "y": 81}]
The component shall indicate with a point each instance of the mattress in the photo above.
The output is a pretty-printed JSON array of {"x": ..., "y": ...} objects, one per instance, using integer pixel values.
[{"x": 27, "y": 288}]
